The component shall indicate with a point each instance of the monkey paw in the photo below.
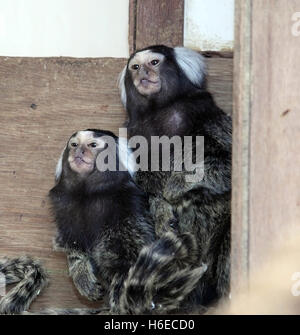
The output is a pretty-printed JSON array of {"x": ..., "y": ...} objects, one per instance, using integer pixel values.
[
  {"x": 92, "y": 291},
  {"x": 89, "y": 289}
]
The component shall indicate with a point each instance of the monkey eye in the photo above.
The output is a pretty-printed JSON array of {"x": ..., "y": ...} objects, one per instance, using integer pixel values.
[
  {"x": 135, "y": 67},
  {"x": 93, "y": 144},
  {"x": 74, "y": 144},
  {"x": 154, "y": 62}
]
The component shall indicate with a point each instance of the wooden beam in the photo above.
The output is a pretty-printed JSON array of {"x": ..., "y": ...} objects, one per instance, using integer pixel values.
[
  {"x": 266, "y": 138},
  {"x": 156, "y": 22},
  {"x": 240, "y": 148},
  {"x": 274, "y": 197},
  {"x": 132, "y": 26}
]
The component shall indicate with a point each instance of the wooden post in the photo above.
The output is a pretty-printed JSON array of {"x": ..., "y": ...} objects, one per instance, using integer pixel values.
[
  {"x": 266, "y": 137},
  {"x": 155, "y": 22}
]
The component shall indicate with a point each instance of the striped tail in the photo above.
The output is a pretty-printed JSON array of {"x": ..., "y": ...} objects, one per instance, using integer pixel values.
[
  {"x": 31, "y": 278},
  {"x": 162, "y": 277}
]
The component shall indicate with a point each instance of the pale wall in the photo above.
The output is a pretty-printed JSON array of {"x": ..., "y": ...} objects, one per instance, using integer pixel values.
[
  {"x": 209, "y": 24},
  {"x": 99, "y": 28},
  {"x": 78, "y": 28}
]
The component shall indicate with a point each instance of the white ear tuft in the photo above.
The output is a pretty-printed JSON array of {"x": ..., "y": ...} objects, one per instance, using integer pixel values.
[
  {"x": 122, "y": 89},
  {"x": 126, "y": 156},
  {"x": 58, "y": 169},
  {"x": 192, "y": 64}
]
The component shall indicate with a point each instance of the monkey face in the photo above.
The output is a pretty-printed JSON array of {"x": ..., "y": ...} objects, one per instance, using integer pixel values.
[
  {"x": 83, "y": 149},
  {"x": 95, "y": 150},
  {"x": 144, "y": 68},
  {"x": 159, "y": 74}
]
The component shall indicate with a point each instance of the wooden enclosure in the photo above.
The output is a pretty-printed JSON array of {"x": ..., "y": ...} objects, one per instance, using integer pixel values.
[{"x": 42, "y": 102}]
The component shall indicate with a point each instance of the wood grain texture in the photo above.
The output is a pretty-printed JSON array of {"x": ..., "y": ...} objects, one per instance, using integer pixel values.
[
  {"x": 266, "y": 146},
  {"x": 274, "y": 198},
  {"x": 132, "y": 26},
  {"x": 159, "y": 22},
  {"x": 240, "y": 147},
  {"x": 220, "y": 81},
  {"x": 42, "y": 102}
]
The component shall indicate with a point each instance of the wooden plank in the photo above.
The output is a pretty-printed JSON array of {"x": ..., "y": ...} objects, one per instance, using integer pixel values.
[
  {"x": 42, "y": 102},
  {"x": 274, "y": 198},
  {"x": 240, "y": 148},
  {"x": 159, "y": 22},
  {"x": 266, "y": 141},
  {"x": 132, "y": 26},
  {"x": 220, "y": 81}
]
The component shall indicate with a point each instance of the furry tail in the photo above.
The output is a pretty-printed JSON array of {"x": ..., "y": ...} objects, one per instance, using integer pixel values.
[
  {"x": 161, "y": 277},
  {"x": 31, "y": 278}
]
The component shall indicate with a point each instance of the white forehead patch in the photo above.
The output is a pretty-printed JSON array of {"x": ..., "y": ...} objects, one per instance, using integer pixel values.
[
  {"x": 83, "y": 136},
  {"x": 145, "y": 56}
]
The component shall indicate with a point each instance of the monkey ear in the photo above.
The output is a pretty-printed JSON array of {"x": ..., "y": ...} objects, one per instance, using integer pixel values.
[
  {"x": 192, "y": 64},
  {"x": 126, "y": 156},
  {"x": 122, "y": 89},
  {"x": 58, "y": 169}
]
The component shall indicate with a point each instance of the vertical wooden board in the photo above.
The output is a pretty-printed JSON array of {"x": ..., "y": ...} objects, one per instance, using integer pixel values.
[
  {"x": 266, "y": 133},
  {"x": 159, "y": 22},
  {"x": 275, "y": 126},
  {"x": 132, "y": 26},
  {"x": 240, "y": 149},
  {"x": 42, "y": 102}
]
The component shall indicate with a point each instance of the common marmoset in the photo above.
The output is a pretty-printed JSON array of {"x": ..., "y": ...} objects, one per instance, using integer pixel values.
[
  {"x": 164, "y": 92},
  {"x": 104, "y": 226}
]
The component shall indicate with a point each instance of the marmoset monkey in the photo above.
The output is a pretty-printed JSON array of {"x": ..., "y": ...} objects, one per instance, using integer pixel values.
[
  {"x": 104, "y": 226},
  {"x": 164, "y": 92}
]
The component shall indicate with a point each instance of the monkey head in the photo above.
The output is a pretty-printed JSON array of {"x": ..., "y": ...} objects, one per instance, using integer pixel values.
[
  {"x": 79, "y": 158},
  {"x": 83, "y": 148},
  {"x": 159, "y": 73},
  {"x": 144, "y": 69}
]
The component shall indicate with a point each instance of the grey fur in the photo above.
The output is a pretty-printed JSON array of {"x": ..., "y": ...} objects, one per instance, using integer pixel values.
[
  {"x": 111, "y": 245},
  {"x": 31, "y": 279},
  {"x": 200, "y": 208}
]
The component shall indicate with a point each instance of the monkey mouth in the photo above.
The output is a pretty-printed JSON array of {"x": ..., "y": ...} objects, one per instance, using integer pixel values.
[
  {"x": 79, "y": 161},
  {"x": 146, "y": 82}
]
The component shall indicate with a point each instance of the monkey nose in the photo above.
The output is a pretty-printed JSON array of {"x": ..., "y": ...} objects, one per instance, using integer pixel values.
[
  {"x": 145, "y": 70},
  {"x": 80, "y": 151}
]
